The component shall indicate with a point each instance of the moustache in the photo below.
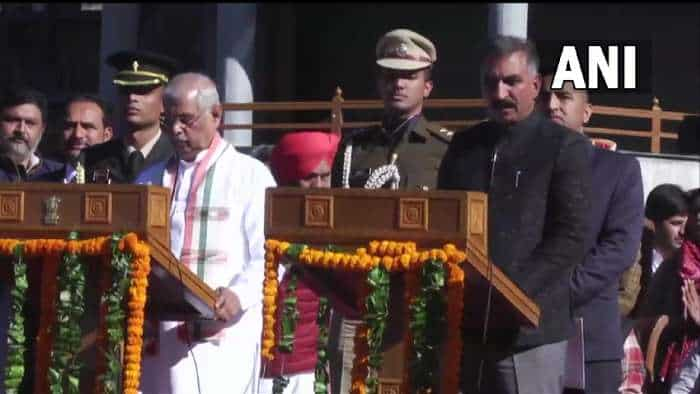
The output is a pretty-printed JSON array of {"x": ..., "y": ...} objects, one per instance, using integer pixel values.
[
  {"x": 17, "y": 139},
  {"x": 76, "y": 140},
  {"x": 503, "y": 104}
]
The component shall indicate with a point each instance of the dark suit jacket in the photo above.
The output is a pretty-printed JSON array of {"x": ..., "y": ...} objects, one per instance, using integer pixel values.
[
  {"x": 615, "y": 219},
  {"x": 538, "y": 202},
  {"x": 47, "y": 171},
  {"x": 113, "y": 155}
]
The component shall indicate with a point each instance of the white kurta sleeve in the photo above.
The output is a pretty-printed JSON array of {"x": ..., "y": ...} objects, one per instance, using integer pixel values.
[{"x": 248, "y": 284}]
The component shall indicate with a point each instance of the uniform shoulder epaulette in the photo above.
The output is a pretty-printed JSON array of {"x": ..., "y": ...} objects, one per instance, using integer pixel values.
[
  {"x": 441, "y": 133},
  {"x": 357, "y": 135}
]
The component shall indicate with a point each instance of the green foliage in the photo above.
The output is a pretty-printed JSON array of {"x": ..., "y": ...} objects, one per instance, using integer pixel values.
[
  {"x": 64, "y": 369},
  {"x": 321, "y": 373},
  {"x": 14, "y": 371},
  {"x": 279, "y": 383},
  {"x": 428, "y": 326},
  {"x": 294, "y": 250},
  {"x": 113, "y": 298},
  {"x": 290, "y": 315},
  {"x": 377, "y": 311}
]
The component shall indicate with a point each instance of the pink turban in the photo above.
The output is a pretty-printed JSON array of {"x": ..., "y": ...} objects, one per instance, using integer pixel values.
[{"x": 298, "y": 153}]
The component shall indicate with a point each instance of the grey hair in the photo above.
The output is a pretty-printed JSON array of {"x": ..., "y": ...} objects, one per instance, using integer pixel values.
[
  {"x": 502, "y": 46},
  {"x": 207, "y": 98},
  {"x": 207, "y": 95}
]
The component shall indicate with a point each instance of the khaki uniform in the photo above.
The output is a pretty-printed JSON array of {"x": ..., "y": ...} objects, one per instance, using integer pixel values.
[{"x": 419, "y": 148}]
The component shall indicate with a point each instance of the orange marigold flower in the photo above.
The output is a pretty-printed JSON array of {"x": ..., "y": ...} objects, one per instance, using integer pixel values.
[
  {"x": 373, "y": 247},
  {"x": 387, "y": 262},
  {"x": 383, "y": 247},
  {"x": 283, "y": 246},
  {"x": 391, "y": 248},
  {"x": 405, "y": 260}
]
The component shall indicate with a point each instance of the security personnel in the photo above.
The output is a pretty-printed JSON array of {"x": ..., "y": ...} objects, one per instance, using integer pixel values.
[
  {"x": 140, "y": 79},
  {"x": 405, "y": 138},
  {"x": 405, "y": 143}
]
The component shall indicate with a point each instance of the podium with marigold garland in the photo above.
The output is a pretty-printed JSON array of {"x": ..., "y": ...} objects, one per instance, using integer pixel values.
[
  {"x": 88, "y": 253},
  {"x": 438, "y": 240}
]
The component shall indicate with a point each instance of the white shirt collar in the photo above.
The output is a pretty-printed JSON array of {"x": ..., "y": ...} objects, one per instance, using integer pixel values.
[
  {"x": 197, "y": 159},
  {"x": 34, "y": 161},
  {"x": 147, "y": 147}
]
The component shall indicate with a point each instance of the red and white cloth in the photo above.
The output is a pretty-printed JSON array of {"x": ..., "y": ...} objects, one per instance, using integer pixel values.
[{"x": 633, "y": 371}]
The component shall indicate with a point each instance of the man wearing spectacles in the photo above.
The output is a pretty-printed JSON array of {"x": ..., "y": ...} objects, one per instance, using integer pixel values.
[
  {"x": 140, "y": 81},
  {"x": 224, "y": 248}
]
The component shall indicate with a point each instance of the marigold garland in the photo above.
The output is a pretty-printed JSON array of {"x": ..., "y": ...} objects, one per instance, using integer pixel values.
[
  {"x": 392, "y": 256},
  {"x": 140, "y": 268},
  {"x": 139, "y": 262},
  {"x": 270, "y": 298}
]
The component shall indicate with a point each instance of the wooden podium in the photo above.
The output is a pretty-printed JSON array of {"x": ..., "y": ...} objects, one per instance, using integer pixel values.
[
  {"x": 51, "y": 210},
  {"x": 353, "y": 217}
]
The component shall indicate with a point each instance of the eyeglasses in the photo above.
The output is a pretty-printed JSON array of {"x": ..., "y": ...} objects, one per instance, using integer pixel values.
[{"x": 187, "y": 120}]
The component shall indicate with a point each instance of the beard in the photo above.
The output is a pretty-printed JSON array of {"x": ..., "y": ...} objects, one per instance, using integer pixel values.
[{"x": 16, "y": 148}]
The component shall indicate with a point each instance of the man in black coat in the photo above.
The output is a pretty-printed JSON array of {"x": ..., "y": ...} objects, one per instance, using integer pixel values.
[
  {"x": 23, "y": 119},
  {"x": 616, "y": 220},
  {"x": 140, "y": 79},
  {"x": 537, "y": 175}
]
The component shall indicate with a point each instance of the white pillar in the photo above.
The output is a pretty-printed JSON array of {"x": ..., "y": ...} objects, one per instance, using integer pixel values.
[
  {"x": 235, "y": 59},
  {"x": 508, "y": 19},
  {"x": 120, "y": 28}
]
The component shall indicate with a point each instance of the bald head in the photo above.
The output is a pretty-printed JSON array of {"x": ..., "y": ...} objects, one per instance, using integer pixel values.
[
  {"x": 192, "y": 113},
  {"x": 195, "y": 86}
]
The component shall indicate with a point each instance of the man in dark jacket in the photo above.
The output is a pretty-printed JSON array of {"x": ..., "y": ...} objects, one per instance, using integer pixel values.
[
  {"x": 537, "y": 175},
  {"x": 23, "y": 114},
  {"x": 140, "y": 79},
  {"x": 616, "y": 219}
]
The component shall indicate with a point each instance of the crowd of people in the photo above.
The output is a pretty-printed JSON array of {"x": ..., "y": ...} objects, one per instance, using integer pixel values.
[{"x": 567, "y": 222}]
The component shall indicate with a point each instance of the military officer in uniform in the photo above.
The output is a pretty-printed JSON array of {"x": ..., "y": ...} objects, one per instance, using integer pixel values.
[
  {"x": 415, "y": 146},
  {"x": 140, "y": 79},
  {"x": 406, "y": 148}
]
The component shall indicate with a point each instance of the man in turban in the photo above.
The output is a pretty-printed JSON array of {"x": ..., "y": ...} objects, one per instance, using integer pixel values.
[
  {"x": 301, "y": 159},
  {"x": 304, "y": 159}
]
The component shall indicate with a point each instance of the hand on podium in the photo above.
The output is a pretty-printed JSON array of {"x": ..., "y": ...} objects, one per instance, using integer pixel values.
[{"x": 227, "y": 304}]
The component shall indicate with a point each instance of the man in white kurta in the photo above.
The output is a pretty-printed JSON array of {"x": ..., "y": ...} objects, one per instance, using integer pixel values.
[{"x": 217, "y": 212}]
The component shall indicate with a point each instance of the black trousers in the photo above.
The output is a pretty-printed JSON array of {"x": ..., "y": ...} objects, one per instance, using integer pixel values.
[{"x": 538, "y": 370}]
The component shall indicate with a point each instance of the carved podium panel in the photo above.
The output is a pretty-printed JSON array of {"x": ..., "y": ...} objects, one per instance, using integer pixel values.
[
  {"x": 53, "y": 210},
  {"x": 354, "y": 217}
]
